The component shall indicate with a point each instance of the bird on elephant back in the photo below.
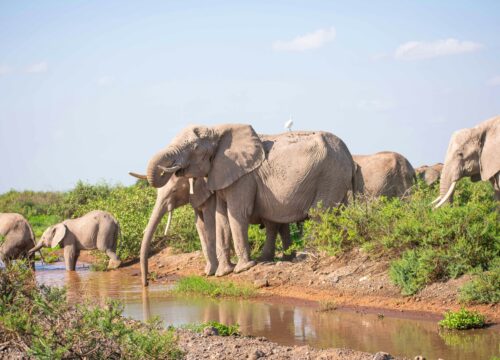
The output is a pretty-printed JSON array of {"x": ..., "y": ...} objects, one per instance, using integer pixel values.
[
  {"x": 271, "y": 179},
  {"x": 475, "y": 153},
  {"x": 385, "y": 173},
  {"x": 179, "y": 191},
  {"x": 16, "y": 238}
]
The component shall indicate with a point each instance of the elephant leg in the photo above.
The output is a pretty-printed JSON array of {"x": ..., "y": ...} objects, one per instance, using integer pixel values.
[
  {"x": 114, "y": 260},
  {"x": 206, "y": 232},
  {"x": 270, "y": 244},
  {"x": 223, "y": 238},
  {"x": 70, "y": 257},
  {"x": 239, "y": 230},
  {"x": 286, "y": 240}
]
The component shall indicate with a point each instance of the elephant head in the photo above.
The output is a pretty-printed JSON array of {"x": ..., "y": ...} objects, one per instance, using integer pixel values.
[
  {"x": 471, "y": 152},
  {"x": 178, "y": 191},
  {"x": 222, "y": 153},
  {"x": 51, "y": 237}
]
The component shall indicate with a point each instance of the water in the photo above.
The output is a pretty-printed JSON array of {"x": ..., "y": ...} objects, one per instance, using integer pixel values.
[{"x": 283, "y": 323}]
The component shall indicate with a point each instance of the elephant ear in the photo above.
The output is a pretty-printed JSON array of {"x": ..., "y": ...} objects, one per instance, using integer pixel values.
[
  {"x": 201, "y": 193},
  {"x": 239, "y": 152},
  {"x": 59, "y": 234},
  {"x": 490, "y": 154}
]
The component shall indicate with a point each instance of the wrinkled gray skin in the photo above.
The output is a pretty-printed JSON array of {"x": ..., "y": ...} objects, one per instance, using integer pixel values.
[
  {"x": 276, "y": 180},
  {"x": 18, "y": 238},
  {"x": 429, "y": 174},
  {"x": 385, "y": 173},
  {"x": 473, "y": 152},
  {"x": 94, "y": 230},
  {"x": 177, "y": 193}
]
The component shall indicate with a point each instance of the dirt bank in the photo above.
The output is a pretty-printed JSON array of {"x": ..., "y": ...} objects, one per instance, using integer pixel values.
[
  {"x": 353, "y": 280},
  {"x": 200, "y": 346}
]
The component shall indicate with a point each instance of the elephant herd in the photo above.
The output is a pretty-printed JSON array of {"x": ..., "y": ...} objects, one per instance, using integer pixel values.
[{"x": 234, "y": 177}]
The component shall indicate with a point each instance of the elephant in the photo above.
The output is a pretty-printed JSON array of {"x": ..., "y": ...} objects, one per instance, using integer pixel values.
[
  {"x": 277, "y": 180},
  {"x": 385, "y": 173},
  {"x": 94, "y": 230},
  {"x": 179, "y": 191},
  {"x": 430, "y": 174},
  {"x": 18, "y": 238},
  {"x": 472, "y": 152}
]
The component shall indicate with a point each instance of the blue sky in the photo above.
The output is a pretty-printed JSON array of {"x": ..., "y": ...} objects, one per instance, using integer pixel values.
[{"x": 91, "y": 89}]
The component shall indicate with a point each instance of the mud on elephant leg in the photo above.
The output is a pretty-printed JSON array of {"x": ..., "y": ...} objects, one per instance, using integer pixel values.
[{"x": 223, "y": 240}]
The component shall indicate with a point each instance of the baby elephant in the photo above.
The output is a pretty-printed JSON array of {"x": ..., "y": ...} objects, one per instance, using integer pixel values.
[
  {"x": 94, "y": 230},
  {"x": 18, "y": 236}
]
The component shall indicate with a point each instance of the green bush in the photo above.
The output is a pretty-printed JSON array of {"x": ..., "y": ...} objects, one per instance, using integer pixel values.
[
  {"x": 426, "y": 245},
  {"x": 202, "y": 286},
  {"x": 38, "y": 322},
  {"x": 462, "y": 320},
  {"x": 485, "y": 289}
]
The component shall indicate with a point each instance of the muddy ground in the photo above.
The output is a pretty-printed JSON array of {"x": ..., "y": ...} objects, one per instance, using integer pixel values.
[{"x": 352, "y": 280}]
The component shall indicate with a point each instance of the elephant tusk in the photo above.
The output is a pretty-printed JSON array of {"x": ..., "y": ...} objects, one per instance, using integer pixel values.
[
  {"x": 447, "y": 195},
  {"x": 170, "y": 169},
  {"x": 191, "y": 186},
  {"x": 169, "y": 220},
  {"x": 139, "y": 176},
  {"x": 435, "y": 200}
]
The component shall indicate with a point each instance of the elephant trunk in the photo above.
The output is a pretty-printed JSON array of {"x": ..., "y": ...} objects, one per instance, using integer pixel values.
[
  {"x": 161, "y": 167},
  {"x": 36, "y": 248},
  {"x": 153, "y": 222}
]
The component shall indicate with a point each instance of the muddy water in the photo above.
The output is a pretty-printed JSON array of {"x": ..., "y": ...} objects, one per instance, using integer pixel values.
[{"x": 282, "y": 323}]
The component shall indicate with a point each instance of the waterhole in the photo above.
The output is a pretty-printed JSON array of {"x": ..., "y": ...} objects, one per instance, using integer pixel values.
[{"x": 281, "y": 322}]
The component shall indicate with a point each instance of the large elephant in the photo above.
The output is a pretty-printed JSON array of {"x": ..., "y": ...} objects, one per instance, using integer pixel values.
[
  {"x": 94, "y": 230},
  {"x": 276, "y": 180},
  {"x": 385, "y": 173},
  {"x": 472, "y": 152},
  {"x": 18, "y": 237},
  {"x": 429, "y": 174},
  {"x": 179, "y": 191}
]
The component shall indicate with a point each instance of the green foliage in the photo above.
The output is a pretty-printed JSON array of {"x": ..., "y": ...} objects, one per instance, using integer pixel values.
[
  {"x": 202, "y": 286},
  {"x": 427, "y": 245},
  {"x": 223, "y": 330},
  {"x": 30, "y": 203},
  {"x": 257, "y": 238},
  {"x": 462, "y": 320},
  {"x": 2, "y": 239},
  {"x": 484, "y": 289},
  {"x": 38, "y": 322}
]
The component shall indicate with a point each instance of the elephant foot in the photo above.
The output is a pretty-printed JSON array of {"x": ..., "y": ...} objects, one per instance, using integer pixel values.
[
  {"x": 210, "y": 270},
  {"x": 224, "y": 269},
  {"x": 289, "y": 257},
  {"x": 114, "y": 264},
  {"x": 266, "y": 258},
  {"x": 242, "y": 266}
]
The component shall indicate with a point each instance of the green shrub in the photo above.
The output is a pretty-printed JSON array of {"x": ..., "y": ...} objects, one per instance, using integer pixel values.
[
  {"x": 485, "y": 289},
  {"x": 426, "y": 245},
  {"x": 223, "y": 330},
  {"x": 462, "y": 320},
  {"x": 38, "y": 322},
  {"x": 202, "y": 286}
]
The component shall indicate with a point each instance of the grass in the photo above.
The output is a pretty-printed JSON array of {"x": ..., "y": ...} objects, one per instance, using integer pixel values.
[
  {"x": 211, "y": 288},
  {"x": 462, "y": 320},
  {"x": 38, "y": 322},
  {"x": 222, "y": 330},
  {"x": 484, "y": 289}
]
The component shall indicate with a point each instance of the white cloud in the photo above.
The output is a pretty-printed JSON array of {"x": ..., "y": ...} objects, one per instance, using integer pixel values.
[
  {"x": 104, "y": 81},
  {"x": 40, "y": 67},
  {"x": 494, "y": 81},
  {"x": 418, "y": 50},
  {"x": 4, "y": 70},
  {"x": 305, "y": 42}
]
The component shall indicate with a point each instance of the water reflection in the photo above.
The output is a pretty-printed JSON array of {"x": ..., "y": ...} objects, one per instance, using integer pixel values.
[{"x": 284, "y": 324}]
